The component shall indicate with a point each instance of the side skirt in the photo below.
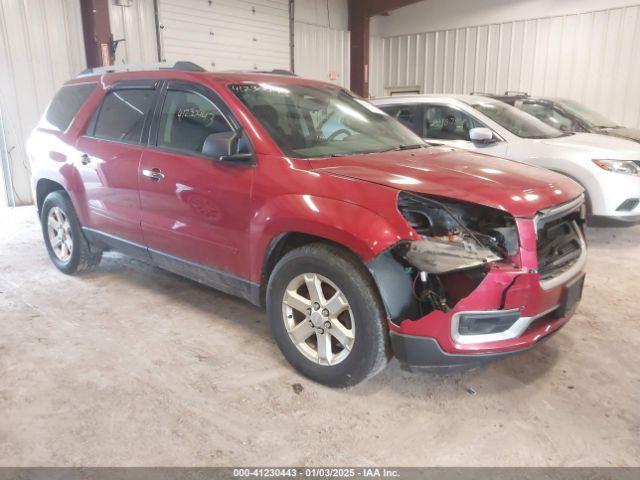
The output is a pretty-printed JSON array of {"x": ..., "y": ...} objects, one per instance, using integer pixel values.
[{"x": 223, "y": 281}]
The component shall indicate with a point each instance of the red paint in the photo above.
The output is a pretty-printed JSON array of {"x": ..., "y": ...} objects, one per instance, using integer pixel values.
[{"x": 225, "y": 216}]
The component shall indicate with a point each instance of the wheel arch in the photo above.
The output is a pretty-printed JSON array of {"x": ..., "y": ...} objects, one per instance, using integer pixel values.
[
  {"x": 285, "y": 242},
  {"x": 44, "y": 187}
]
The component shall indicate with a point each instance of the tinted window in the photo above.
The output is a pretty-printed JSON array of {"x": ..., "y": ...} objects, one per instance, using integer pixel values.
[
  {"x": 308, "y": 121},
  {"x": 591, "y": 117},
  {"x": 516, "y": 121},
  {"x": 405, "y": 114},
  {"x": 548, "y": 115},
  {"x": 122, "y": 114},
  {"x": 187, "y": 119},
  {"x": 446, "y": 123},
  {"x": 65, "y": 105}
]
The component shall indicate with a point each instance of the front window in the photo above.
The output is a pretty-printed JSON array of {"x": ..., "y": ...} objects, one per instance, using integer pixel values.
[
  {"x": 187, "y": 119},
  {"x": 516, "y": 121},
  {"x": 592, "y": 117},
  {"x": 442, "y": 122},
  {"x": 310, "y": 121}
]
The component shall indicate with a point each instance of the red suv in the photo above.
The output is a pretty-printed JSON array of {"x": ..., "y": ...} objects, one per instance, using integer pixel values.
[{"x": 361, "y": 240}]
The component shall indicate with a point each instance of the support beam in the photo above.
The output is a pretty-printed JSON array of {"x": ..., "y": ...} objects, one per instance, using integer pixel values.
[
  {"x": 359, "y": 33},
  {"x": 381, "y": 7},
  {"x": 360, "y": 13},
  {"x": 97, "y": 32}
]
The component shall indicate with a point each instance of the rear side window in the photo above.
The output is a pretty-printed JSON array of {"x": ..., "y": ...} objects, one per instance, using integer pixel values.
[
  {"x": 65, "y": 105},
  {"x": 122, "y": 115}
]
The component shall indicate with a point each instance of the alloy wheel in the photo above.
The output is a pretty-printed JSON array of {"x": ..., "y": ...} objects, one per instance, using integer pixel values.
[
  {"x": 59, "y": 231},
  {"x": 318, "y": 319}
]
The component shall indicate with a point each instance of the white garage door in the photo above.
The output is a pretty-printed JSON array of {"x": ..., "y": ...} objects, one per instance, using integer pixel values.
[{"x": 226, "y": 34}]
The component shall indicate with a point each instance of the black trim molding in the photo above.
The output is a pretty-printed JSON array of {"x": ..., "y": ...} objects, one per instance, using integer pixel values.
[{"x": 223, "y": 281}]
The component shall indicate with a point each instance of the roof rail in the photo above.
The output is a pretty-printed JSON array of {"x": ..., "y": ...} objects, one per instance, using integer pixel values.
[
  {"x": 515, "y": 93},
  {"x": 278, "y": 71},
  {"x": 484, "y": 94},
  {"x": 129, "y": 67}
]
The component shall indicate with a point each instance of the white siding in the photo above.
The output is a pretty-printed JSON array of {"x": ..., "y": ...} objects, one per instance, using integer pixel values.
[
  {"x": 41, "y": 46},
  {"x": 590, "y": 57},
  {"x": 321, "y": 44},
  {"x": 136, "y": 24},
  {"x": 226, "y": 34}
]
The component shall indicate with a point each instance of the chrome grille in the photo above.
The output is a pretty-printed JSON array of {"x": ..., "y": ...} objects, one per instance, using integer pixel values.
[{"x": 560, "y": 245}]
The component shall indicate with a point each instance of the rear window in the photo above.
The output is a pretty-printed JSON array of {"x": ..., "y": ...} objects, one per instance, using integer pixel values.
[
  {"x": 65, "y": 106},
  {"x": 122, "y": 114}
]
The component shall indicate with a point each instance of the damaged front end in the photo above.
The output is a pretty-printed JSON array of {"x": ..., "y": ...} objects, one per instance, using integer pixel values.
[{"x": 457, "y": 241}]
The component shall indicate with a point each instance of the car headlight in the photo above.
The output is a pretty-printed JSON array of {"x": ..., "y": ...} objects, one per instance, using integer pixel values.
[
  {"x": 455, "y": 235},
  {"x": 619, "y": 166}
]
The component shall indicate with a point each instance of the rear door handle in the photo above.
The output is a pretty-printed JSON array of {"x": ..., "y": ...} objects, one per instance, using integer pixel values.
[
  {"x": 154, "y": 174},
  {"x": 85, "y": 159}
]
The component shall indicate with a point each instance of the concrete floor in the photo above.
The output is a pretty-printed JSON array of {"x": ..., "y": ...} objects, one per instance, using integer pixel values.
[{"x": 134, "y": 366}]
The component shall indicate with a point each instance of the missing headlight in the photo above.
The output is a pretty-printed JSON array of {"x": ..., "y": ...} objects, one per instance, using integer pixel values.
[{"x": 455, "y": 235}]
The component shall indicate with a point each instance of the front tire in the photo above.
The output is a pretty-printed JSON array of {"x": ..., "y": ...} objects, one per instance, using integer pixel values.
[
  {"x": 326, "y": 316},
  {"x": 66, "y": 244}
]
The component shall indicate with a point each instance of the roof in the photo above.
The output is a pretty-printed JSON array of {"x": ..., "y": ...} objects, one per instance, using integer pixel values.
[
  {"x": 470, "y": 99},
  {"x": 204, "y": 77}
]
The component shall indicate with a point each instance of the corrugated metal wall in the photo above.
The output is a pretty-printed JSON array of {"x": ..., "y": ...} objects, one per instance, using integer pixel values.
[
  {"x": 226, "y": 34},
  {"x": 41, "y": 46},
  {"x": 321, "y": 51},
  {"x": 321, "y": 40},
  {"x": 136, "y": 24},
  {"x": 590, "y": 57}
]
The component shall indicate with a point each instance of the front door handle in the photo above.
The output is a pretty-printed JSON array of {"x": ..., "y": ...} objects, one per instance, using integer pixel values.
[{"x": 154, "y": 174}]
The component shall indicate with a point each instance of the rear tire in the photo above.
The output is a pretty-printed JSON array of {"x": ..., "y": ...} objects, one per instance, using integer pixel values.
[
  {"x": 339, "y": 340},
  {"x": 67, "y": 246}
]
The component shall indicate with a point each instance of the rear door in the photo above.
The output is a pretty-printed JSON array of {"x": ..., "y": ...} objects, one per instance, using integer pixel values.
[
  {"x": 195, "y": 210},
  {"x": 110, "y": 153}
]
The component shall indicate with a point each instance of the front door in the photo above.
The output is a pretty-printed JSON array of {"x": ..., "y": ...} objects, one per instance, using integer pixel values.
[
  {"x": 195, "y": 210},
  {"x": 447, "y": 125}
]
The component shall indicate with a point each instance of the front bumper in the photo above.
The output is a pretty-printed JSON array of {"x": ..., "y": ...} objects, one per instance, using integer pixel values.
[
  {"x": 537, "y": 308},
  {"x": 609, "y": 192},
  {"x": 426, "y": 353}
]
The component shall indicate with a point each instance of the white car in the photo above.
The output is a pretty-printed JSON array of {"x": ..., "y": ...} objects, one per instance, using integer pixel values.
[{"x": 608, "y": 168}]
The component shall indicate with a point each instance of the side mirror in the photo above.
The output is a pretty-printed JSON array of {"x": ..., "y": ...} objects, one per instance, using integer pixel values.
[
  {"x": 481, "y": 135},
  {"x": 223, "y": 147}
]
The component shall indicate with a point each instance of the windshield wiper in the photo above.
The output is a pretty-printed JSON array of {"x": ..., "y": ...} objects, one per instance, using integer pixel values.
[{"x": 410, "y": 147}]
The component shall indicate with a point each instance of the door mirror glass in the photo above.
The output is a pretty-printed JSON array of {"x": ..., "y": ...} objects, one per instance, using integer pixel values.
[{"x": 481, "y": 135}]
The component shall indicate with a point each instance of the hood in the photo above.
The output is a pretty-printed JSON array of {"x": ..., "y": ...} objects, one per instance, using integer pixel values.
[
  {"x": 598, "y": 146},
  {"x": 519, "y": 189},
  {"x": 622, "y": 132}
]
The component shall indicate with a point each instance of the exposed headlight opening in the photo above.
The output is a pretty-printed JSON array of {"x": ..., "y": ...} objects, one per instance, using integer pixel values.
[
  {"x": 628, "y": 167},
  {"x": 457, "y": 241},
  {"x": 455, "y": 235}
]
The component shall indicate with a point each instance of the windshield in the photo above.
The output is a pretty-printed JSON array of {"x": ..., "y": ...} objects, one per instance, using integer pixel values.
[
  {"x": 592, "y": 117},
  {"x": 516, "y": 121},
  {"x": 311, "y": 121}
]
